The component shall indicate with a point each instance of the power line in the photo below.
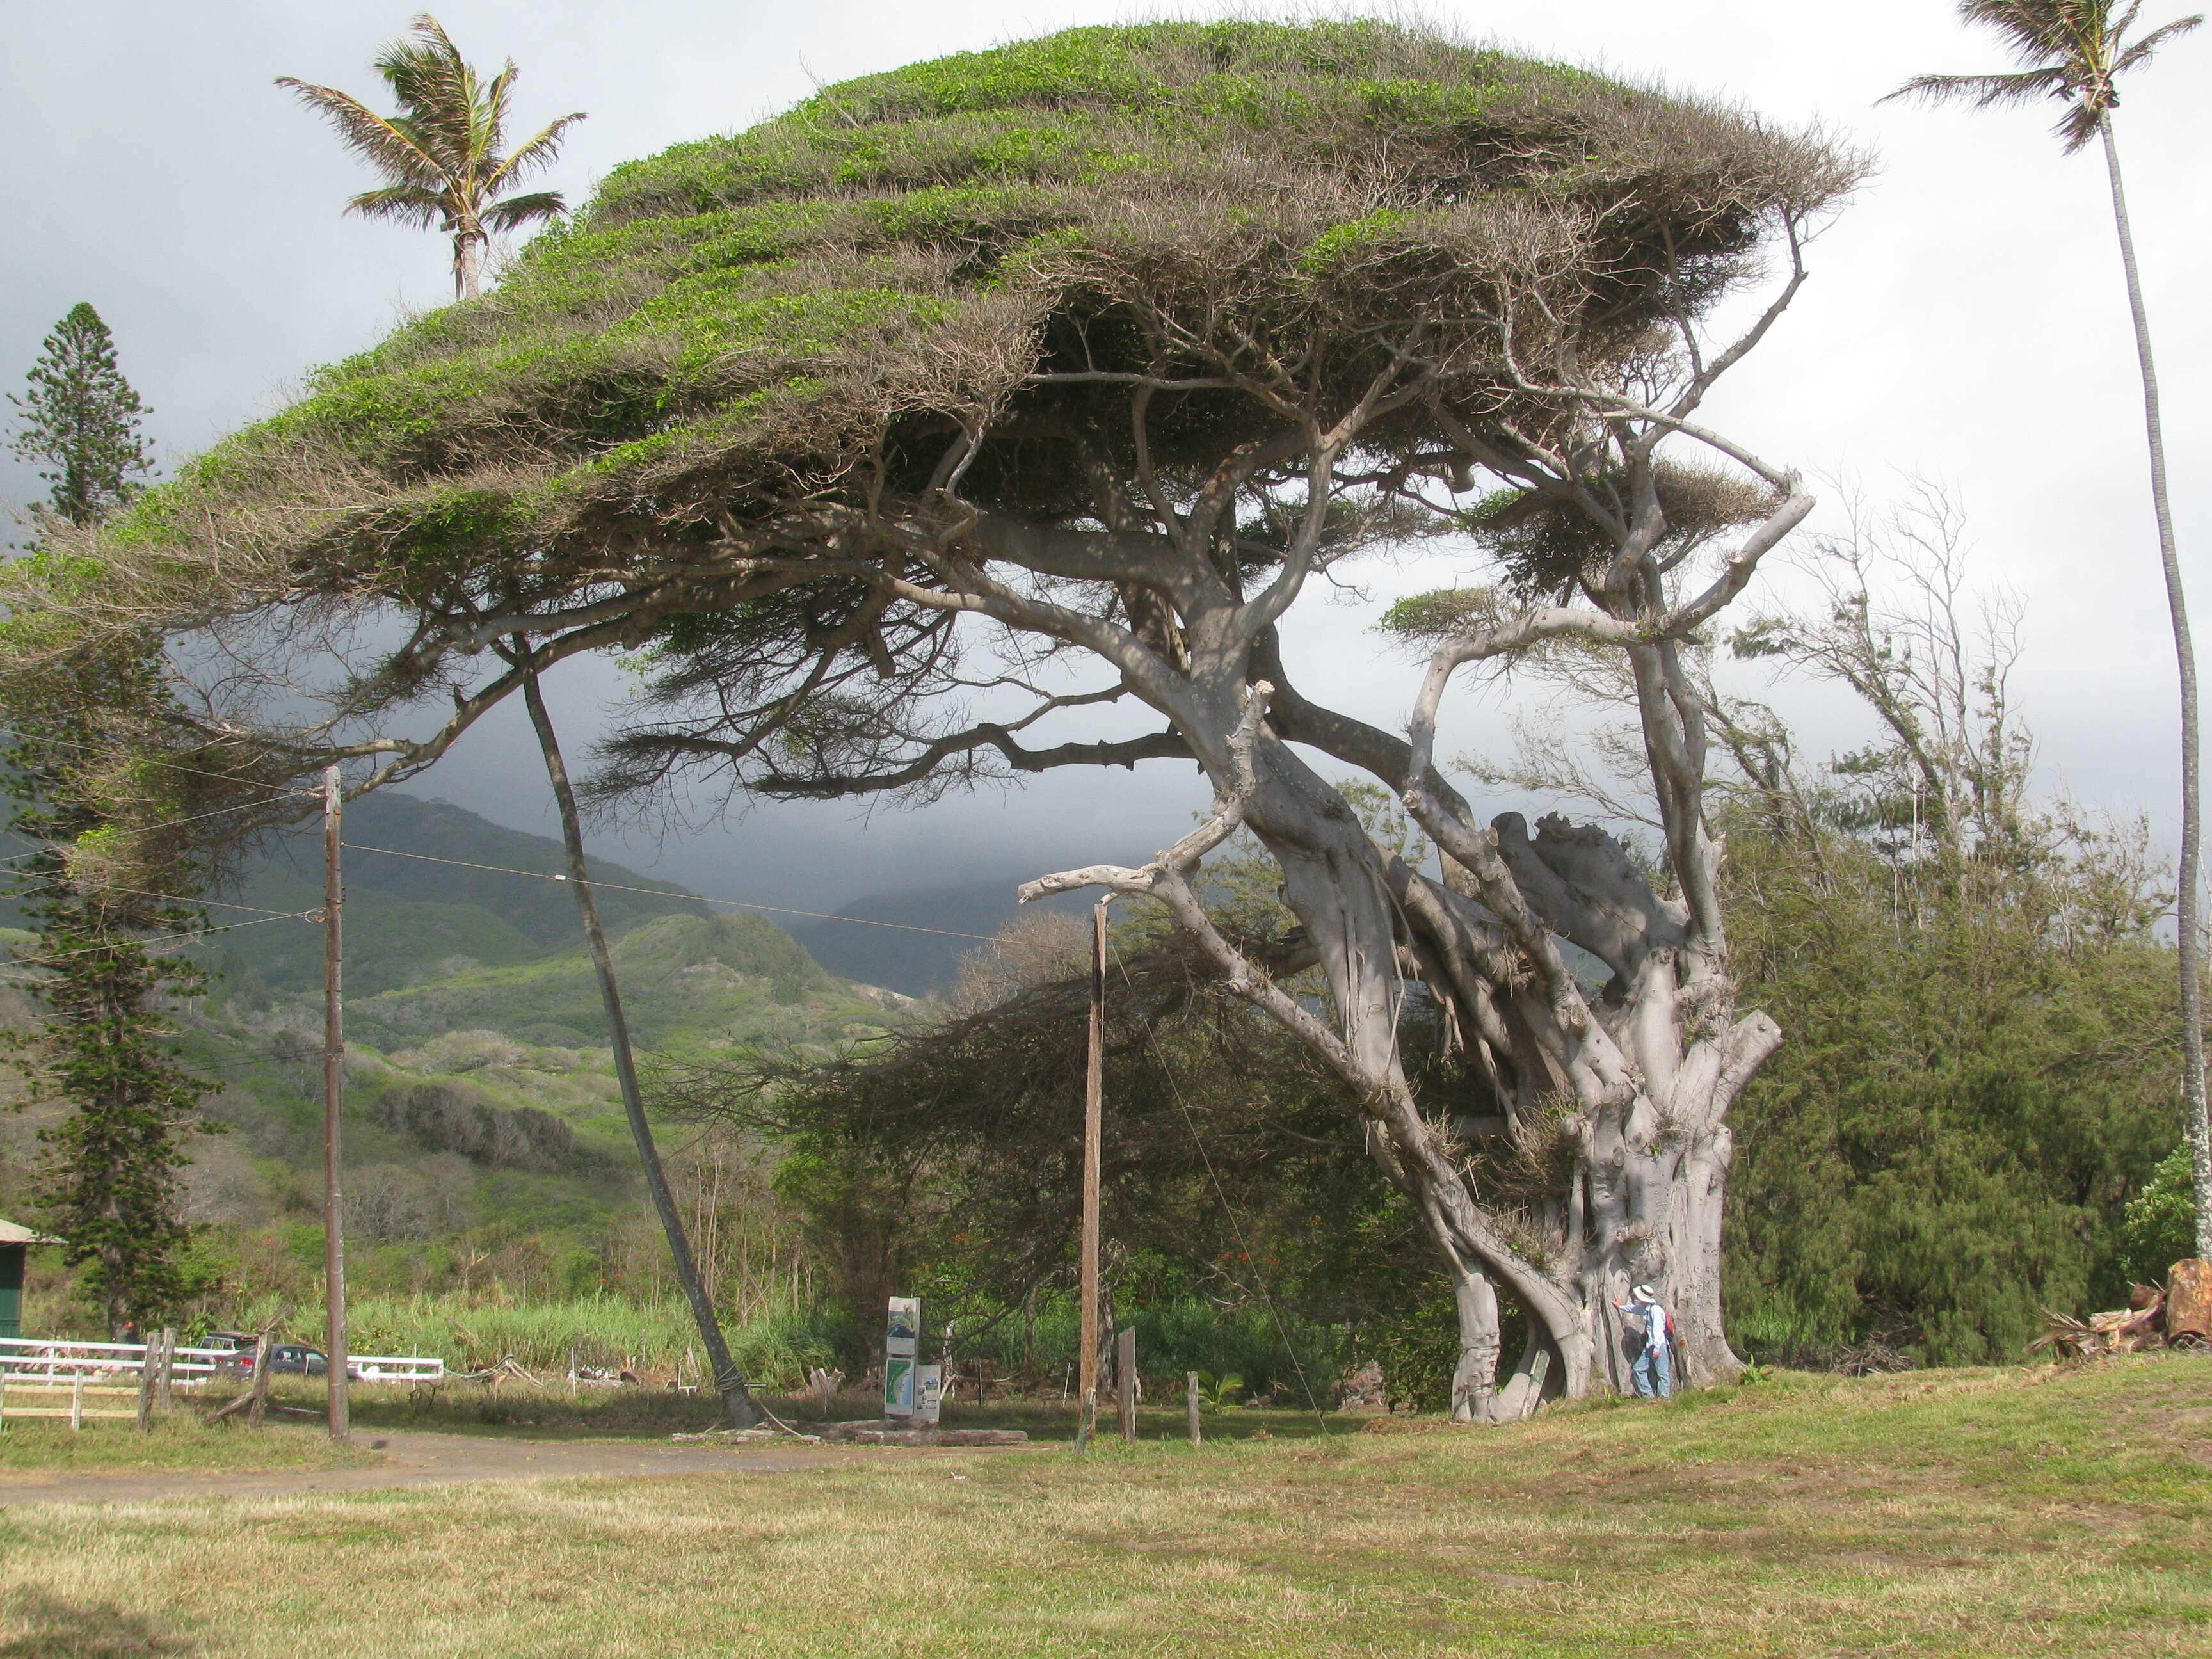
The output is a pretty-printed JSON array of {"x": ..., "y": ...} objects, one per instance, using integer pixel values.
[
  {"x": 173, "y": 898},
  {"x": 656, "y": 892},
  {"x": 393, "y": 852},
  {"x": 171, "y": 823},
  {"x": 194, "y": 934}
]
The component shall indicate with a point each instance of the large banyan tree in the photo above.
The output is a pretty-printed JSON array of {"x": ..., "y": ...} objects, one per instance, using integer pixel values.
[{"x": 1053, "y": 377}]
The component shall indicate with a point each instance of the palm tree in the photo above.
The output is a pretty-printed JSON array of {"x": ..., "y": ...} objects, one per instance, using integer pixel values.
[
  {"x": 441, "y": 153},
  {"x": 2075, "y": 50}
]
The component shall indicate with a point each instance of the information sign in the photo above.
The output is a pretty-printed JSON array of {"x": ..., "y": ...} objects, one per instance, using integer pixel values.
[{"x": 902, "y": 1333}]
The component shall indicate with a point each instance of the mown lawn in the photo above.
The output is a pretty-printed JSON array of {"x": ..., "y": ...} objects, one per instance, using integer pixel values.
[{"x": 1997, "y": 1512}]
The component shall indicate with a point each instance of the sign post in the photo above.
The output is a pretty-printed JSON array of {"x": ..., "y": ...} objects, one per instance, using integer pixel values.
[
  {"x": 901, "y": 1335},
  {"x": 928, "y": 1393}
]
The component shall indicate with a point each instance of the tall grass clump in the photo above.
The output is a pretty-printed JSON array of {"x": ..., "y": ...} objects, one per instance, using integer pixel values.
[{"x": 774, "y": 1349}]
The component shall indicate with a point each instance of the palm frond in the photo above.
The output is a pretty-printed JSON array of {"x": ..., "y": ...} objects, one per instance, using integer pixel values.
[
  {"x": 438, "y": 90},
  {"x": 2140, "y": 52},
  {"x": 518, "y": 210},
  {"x": 410, "y": 204},
  {"x": 539, "y": 152},
  {"x": 384, "y": 145},
  {"x": 2083, "y": 121},
  {"x": 441, "y": 155},
  {"x": 498, "y": 94},
  {"x": 2041, "y": 33},
  {"x": 1982, "y": 90}
]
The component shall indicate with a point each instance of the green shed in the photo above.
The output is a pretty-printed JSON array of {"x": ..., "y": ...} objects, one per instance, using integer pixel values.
[{"x": 15, "y": 1243}]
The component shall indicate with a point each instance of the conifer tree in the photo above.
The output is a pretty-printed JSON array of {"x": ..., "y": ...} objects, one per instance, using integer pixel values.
[
  {"x": 109, "y": 1173},
  {"x": 108, "y": 1179},
  {"x": 82, "y": 417}
]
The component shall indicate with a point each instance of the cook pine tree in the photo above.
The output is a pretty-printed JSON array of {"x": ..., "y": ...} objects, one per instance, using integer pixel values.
[{"x": 109, "y": 1171}]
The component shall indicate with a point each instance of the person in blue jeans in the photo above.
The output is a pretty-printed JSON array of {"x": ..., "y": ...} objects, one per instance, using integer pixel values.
[{"x": 1653, "y": 1370}]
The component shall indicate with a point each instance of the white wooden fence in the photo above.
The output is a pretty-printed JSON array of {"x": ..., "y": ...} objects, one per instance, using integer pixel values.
[
  {"x": 38, "y": 1375},
  {"x": 26, "y": 1359}
]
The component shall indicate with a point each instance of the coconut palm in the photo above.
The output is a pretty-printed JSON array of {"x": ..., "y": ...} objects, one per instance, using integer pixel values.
[
  {"x": 441, "y": 153},
  {"x": 2075, "y": 50}
]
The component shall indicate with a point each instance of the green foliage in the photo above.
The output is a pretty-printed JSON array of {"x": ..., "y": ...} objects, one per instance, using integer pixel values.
[
  {"x": 81, "y": 418},
  {"x": 1970, "y": 1090},
  {"x": 775, "y": 1350},
  {"x": 1217, "y": 1393},
  {"x": 1428, "y": 618},
  {"x": 947, "y": 1161},
  {"x": 1343, "y": 242},
  {"x": 2159, "y": 1227},
  {"x": 889, "y": 250},
  {"x": 107, "y": 1183}
]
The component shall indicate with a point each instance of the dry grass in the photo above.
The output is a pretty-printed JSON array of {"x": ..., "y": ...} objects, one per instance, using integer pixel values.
[
  {"x": 1967, "y": 1513},
  {"x": 179, "y": 1441}
]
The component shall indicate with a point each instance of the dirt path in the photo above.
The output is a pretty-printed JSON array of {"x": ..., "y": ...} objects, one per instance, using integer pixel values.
[{"x": 413, "y": 1460}]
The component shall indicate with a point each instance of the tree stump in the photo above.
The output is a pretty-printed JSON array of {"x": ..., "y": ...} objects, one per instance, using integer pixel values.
[{"x": 2189, "y": 1303}]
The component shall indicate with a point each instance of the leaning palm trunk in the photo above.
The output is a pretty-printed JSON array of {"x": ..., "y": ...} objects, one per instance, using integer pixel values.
[
  {"x": 728, "y": 1380},
  {"x": 2188, "y": 923}
]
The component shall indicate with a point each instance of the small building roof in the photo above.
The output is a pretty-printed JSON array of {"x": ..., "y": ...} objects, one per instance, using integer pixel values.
[{"x": 10, "y": 1233}]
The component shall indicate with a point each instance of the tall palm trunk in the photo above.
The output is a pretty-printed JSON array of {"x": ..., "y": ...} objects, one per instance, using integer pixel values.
[
  {"x": 2184, "y": 650},
  {"x": 727, "y": 1378}
]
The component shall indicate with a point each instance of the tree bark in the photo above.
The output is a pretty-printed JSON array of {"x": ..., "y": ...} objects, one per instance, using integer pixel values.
[
  {"x": 1651, "y": 1076},
  {"x": 728, "y": 1380},
  {"x": 468, "y": 264},
  {"x": 2187, "y": 920},
  {"x": 1474, "y": 1379}
]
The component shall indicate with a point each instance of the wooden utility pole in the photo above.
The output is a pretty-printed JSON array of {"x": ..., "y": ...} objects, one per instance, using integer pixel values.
[
  {"x": 1086, "y": 1389},
  {"x": 333, "y": 1095}
]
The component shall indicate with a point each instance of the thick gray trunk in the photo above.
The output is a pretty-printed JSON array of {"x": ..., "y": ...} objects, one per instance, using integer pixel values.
[
  {"x": 2187, "y": 919},
  {"x": 1474, "y": 1379},
  {"x": 1644, "y": 1203}
]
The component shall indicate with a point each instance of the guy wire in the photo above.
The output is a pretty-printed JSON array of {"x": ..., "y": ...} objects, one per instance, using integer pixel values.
[{"x": 1237, "y": 1227}]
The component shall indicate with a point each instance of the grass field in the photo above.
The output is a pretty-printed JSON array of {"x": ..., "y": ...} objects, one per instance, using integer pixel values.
[
  {"x": 178, "y": 1442},
  {"x": 1997, "y": 1512}
]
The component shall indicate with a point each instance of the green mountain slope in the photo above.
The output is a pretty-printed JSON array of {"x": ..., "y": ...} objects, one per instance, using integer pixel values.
[
  {"x": 410, "y": 917},
  {"x": 480, "y": 1088}
]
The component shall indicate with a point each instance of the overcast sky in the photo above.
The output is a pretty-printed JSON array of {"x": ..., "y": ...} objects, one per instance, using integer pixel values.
[{"x": 1965, "y": 322}]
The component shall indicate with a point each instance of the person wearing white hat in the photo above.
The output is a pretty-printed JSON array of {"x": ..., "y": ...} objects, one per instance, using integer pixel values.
[{"x": 1653, "y": 1370}]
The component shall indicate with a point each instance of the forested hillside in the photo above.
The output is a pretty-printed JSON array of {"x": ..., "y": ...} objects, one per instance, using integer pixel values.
[{"x": 484, "y": 1124}]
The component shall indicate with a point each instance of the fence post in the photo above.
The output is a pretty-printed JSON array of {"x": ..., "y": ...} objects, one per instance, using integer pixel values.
[
  {"x": 166, "y": 1378},
  {"x": 4, "y": 1396},
  {"x": 147, "y": 1355},
  {"x": 77, "y": 1400},
  {"x": 1190, "y": 1388},
  {"x": 572, "y": 1371},
  {"x": 1124, "y": 1380},
  {"x": 260, "y": 1380}
]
